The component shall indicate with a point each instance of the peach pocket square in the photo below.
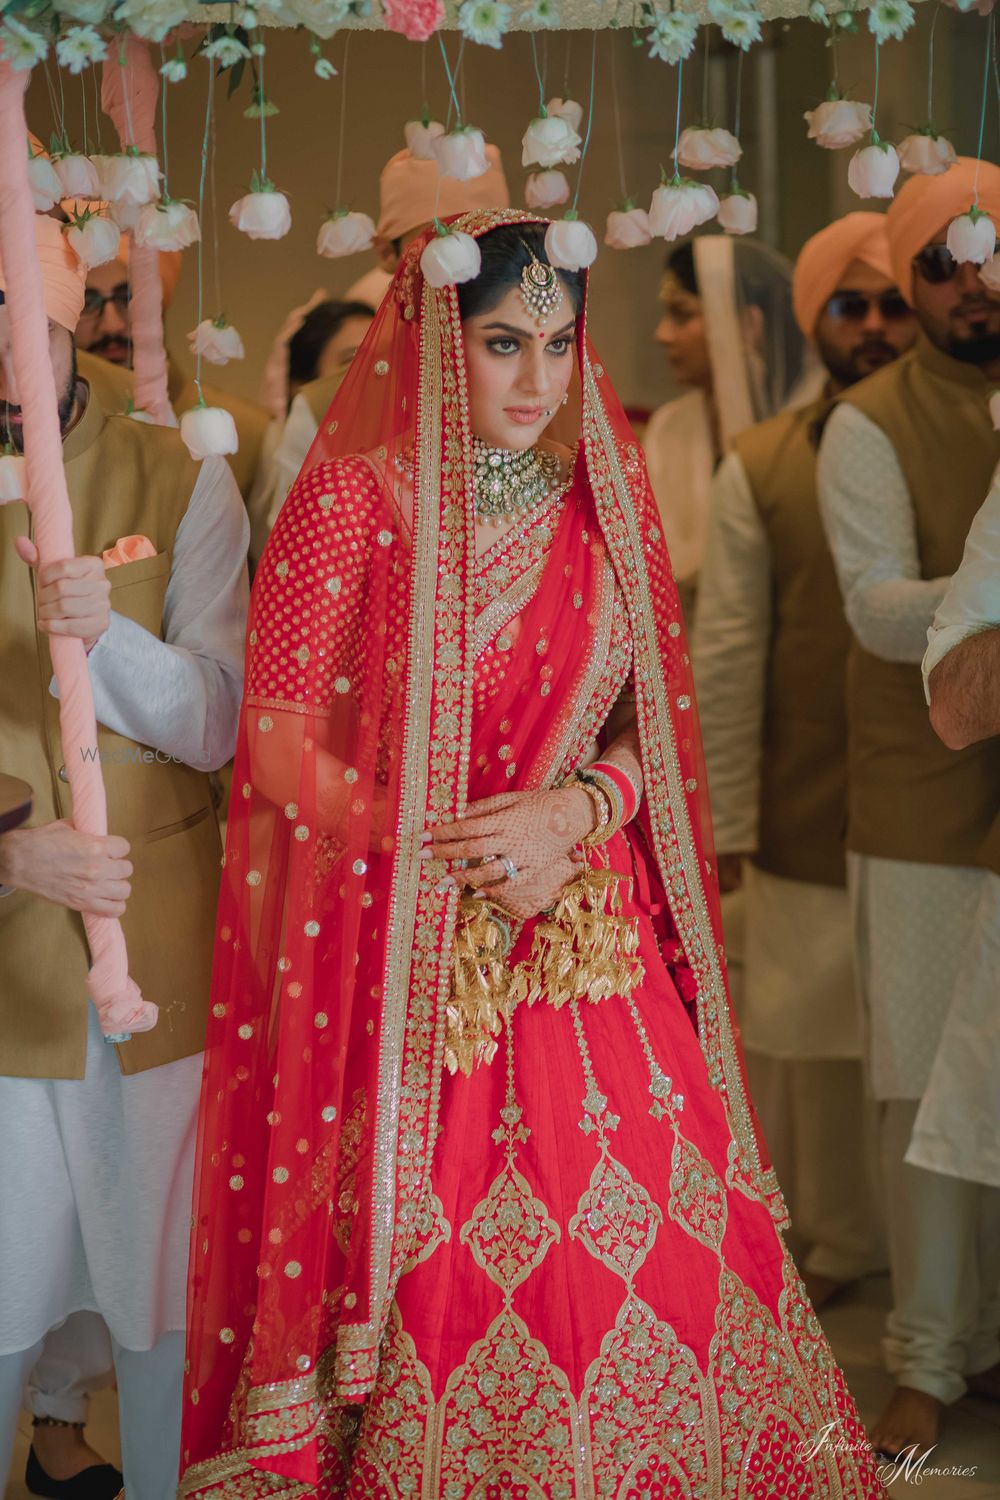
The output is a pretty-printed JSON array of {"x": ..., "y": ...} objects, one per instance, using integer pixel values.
[{"x": 128, "y": 549}]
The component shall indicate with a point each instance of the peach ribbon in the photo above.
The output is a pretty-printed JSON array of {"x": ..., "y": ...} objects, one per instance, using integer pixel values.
[
  {"x": 127, "y": 549},
  {"x": 134, "y": 118},
  {"x": 119, "y": 1004}
]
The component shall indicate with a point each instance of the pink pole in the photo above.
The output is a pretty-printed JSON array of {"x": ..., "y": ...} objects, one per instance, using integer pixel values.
[
  {"x": 128, "y": 94},
  {"x": 119, "y": 1004}
]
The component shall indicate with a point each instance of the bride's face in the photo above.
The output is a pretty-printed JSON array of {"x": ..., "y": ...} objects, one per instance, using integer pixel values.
[{"x": 519, "y": 370}]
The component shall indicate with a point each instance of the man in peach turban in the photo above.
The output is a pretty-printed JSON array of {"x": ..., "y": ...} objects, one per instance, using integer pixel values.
[
  {"x": 905, "y": 463},
  {"x": 95, "y": 1171},
  {"x": 770, "y": 647},
  {"x": 412, "y": 193}
]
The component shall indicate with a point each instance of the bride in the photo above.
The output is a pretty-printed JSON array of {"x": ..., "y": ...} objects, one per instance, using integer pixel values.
[{"x": 482, "y": 1209}]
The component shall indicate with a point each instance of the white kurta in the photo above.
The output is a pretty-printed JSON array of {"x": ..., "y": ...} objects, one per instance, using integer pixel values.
[
  {"x": 957, "y": 1128},
  {"x": 798, "y": 1000},
  {"x": 913, "y": 919},
  {"x": 680, "y": 458},
  {"x": 297, "y": 437},
  {"x": 95, "y": 1173}
]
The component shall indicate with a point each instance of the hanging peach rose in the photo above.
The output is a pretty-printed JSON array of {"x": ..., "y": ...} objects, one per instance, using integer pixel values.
[
  {"x": 839, "y": 122},
  {"x": 873, "y": 170},
  {"x": 701, "y": 148},
  {"x": 420, "y": 137},
  {"x": 345, "y": 233},
  {"x": 546, "y": 189},
  {"x": 679, "y": 205},
  {"x": 263, "y": 214},
  {"x": 972, "y": 237},
  {"x": 926, "y": 153},
  {"x": 548, "y": 141},
  {"x": 738, "y": 213},
  {"x": 568, "y": 110},
  {"x": 77, "y": 176},
  {"x": 627, "y": 227},
  {"x": 94, "y": 238},
  {"x": 129, "y": 177},
  {"x": 216, "y": 341},
  {"x": 461, "y": 153}
]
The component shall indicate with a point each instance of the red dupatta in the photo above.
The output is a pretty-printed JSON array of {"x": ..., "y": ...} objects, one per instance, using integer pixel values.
[{"x": 333, "y": 953}]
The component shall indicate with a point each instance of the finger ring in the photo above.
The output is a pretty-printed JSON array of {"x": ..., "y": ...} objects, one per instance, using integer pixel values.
[{"x": 510, "y": 867}]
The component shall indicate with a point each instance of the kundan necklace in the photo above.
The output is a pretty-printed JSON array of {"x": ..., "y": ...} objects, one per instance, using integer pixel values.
[{"x": 507, "y": 484}]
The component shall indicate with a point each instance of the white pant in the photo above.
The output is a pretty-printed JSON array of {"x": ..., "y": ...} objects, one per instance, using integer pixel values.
[
  {"x": 944, "y": 1249},
  {"x": 76, "y": 1360},
  {"x": 149, "y": 1407},
  {"x": 820, "y": 1129}
]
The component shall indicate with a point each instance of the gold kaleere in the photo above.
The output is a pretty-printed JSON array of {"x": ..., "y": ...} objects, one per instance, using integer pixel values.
[
  {"x": 586, "y": 950},
  {"x": 480, "y": 983}
]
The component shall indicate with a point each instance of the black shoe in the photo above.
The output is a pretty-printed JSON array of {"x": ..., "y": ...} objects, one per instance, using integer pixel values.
[{"x": 99, "y": 1482}]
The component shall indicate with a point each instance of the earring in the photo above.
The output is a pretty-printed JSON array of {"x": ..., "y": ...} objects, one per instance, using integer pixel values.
[{"x": 565, "y": 398}]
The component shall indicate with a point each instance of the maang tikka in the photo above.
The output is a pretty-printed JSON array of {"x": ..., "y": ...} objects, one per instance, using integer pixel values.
[{"x": 541, "y": 289}]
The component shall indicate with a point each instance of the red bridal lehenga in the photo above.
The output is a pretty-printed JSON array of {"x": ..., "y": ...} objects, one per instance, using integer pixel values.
[{"x": 556, "y": 1273}]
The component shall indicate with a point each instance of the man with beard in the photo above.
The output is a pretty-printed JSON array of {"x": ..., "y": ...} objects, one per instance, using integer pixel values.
[
  {"x": 770, "y": 648},
  {"x": 95, "y": 1173},
  {"x": 103, "y": 333},
  {"x": 905, "y": 461}
]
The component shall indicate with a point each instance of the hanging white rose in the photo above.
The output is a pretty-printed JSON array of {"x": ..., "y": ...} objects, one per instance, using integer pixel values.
[
  {"x": 546, "y": 190},
  {"x": 972, "y": 237},
  {"x": 738, "y": 212},
  {"x": 420, "y": 137},
  {"x": 77, "y": 176},
  {"x": 209, "y": 430},
  {"x": 989, "y": 273},
  {"x": 627, "y": 227},
  {"x": 11, "y": 478},
  {"x": 568, "y": 110},
  {"x": 461, "y": 153},
  {"x": 167, "y": 225},
  {"x": 216, "y": 341},
  {"x": 450, "y": 257},
  {"x": 46, "y": 189},
  {"x": 570, "y": 244},
  {"x": 94, "y": 238},
  {"x": 680, "y": 205},
  {"x": 926, "y": 152},
  {"x": 873, "y": 170},
  {"x": 838, "y": 123},
  {"x": 345, "y": 233},
  {"x": 703, "y": 147},
  {"x": 263, "y": 214},
  {"x": 129, "y": 178},
  {"x": 125, "y": 215},
  {"x": 548, "y": 141}
]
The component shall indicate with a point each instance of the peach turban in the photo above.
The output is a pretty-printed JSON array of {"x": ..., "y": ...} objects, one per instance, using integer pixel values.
[
  {"x": 413, "y": 192},
  {"x": 926, "y": 205},
  {"x": 63, "y": 278},
  {"x": 825, "y": 257},
  {"x": 370, "y": 288},
  {"x": 170, "y": 268}
]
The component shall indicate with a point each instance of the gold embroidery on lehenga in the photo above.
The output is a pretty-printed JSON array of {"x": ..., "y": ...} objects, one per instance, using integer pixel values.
[
  {"x": 510, "y": 1231},
  {"x": 645, "y": 1401}
]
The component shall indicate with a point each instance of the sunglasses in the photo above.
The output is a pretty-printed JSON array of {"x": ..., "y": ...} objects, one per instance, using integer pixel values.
[
  {"x": 935, "y": 264},
  {"x": 94, "y": 302},
  {"x": 853, "y": 307}
]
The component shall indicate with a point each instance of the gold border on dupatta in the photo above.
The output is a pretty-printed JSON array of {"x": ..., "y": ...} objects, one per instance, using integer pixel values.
[{"x": 669, "y": 815}]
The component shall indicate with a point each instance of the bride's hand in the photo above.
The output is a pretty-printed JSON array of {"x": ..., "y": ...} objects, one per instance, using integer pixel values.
[
  {"x": 505, "y": 845},
  {"x": 540, "y": 892}
]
